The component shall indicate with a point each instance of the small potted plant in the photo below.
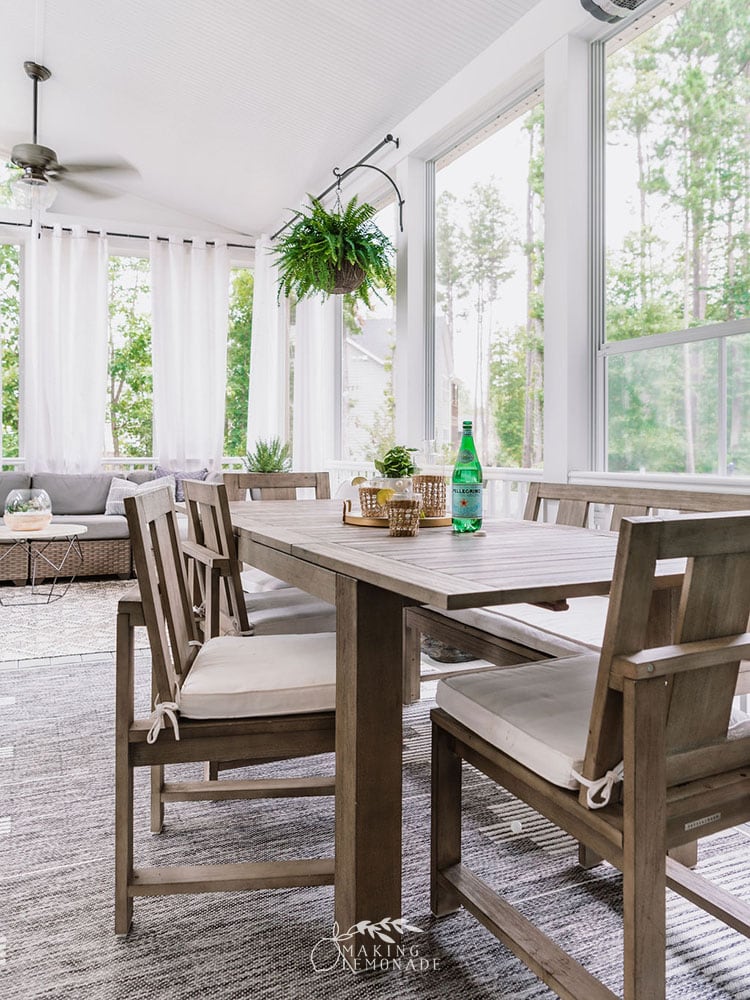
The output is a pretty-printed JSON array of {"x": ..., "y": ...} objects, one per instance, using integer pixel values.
[
  {"x": 335, "y": 253},
  {"x": 269, "y": 456},
  {"x": 396, "y": 468}
]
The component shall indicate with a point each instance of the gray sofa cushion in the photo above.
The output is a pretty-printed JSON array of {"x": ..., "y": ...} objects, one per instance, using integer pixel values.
[
  {"x": 74, "y": 494},
  {"x": 141, "y": 476},
  {"x": 12, "y": 481},
  {"x": 101, "y": 527}
]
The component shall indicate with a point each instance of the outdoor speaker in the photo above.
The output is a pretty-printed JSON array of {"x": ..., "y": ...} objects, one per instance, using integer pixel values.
[{"x": 611, "y": 10}]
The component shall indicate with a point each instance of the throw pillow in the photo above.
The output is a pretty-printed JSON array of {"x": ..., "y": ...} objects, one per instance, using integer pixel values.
[
  {"x": 121, "y": 488},
  {"x": 179, "y": 476}
]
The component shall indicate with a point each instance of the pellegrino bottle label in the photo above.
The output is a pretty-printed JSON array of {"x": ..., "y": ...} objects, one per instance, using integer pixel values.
[{"x": 467, "y": 500}]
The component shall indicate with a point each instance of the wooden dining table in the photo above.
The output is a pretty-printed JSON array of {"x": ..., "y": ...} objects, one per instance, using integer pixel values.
[{"x": 371, "y": 577}]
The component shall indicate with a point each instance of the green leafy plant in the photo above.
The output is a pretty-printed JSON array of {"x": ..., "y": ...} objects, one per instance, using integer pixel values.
[
  {"x": 397, "y": 463},
  {"x": 323, "y": 246},
  {"x": 269, "y": 456}
]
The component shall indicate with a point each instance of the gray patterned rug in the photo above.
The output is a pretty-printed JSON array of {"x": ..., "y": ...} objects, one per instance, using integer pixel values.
[
  {"x": 56, "y": 884},
  {"x": 80, "y": 623}
]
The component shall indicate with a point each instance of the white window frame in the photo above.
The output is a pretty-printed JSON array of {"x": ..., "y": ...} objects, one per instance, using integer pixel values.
[{"x": 604, "y": 349}]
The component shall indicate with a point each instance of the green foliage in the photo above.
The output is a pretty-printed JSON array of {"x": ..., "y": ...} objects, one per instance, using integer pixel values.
[
  {"x": 130, "y": 377},
  {"x": 9, "y": 347},
  {"x": 321, "y": 242},
  {"x": 678, "y": 100},
  {"x": 397, "y": 462},
  {"x": 269, "y": 456},
  {"x": 238, "y": 361}
]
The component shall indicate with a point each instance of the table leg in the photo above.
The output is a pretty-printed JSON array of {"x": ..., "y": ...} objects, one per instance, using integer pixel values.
[
  {"x": 368, "y": 756},
  {"x": 123, "y": 773}
]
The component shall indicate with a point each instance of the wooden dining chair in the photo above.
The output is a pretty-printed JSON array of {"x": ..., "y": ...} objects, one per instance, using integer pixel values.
[
  {"x": 260, "y": 699},
  {"x": 276, "y": 485},
  {"x": 629, "y": 750},
  {"x": 518, "y": 633},
  {"x": 273, "y": 607}
]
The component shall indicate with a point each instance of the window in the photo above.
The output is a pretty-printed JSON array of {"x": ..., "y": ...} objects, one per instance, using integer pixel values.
[
  {"x": 238, "y": 361},
  {"x": 9, "y": 349},
  {"x": 7, "y": 172},
  {"x": 489, "y": 266},
  {"x": 677, "y": 302},
  {"x": 369, "y": 343},
  {"x": 130, "y": 380}
]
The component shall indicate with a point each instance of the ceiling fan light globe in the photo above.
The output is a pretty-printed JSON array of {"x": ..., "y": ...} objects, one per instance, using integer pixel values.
[{"x": 32, "y": 192}]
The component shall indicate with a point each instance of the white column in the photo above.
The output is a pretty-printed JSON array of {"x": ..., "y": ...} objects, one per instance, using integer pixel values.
[
  {"x": 409, "y": 360},
  {"x": 567, "y": 348}
]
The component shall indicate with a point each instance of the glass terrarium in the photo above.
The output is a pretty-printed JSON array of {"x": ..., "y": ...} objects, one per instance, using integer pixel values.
[{"x": 27, "y": 510}]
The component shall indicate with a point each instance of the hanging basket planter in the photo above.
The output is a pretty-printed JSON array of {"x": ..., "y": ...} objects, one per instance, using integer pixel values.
[
  {"x": 336, "y": 253},
  {"x": 347, "y": 278}
]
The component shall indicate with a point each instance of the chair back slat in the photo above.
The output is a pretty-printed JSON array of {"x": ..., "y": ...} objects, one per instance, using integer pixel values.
[
  {"x": 714, "y": 603},
  {"x": 276, "y": 485},
  {"x": 625, "y": 632},
  {"x": 160, "y": 568},
  {"x": 572, "y": 512},
  {"x": 211, "y": 526},
  {"x": 621, "y": 510}
]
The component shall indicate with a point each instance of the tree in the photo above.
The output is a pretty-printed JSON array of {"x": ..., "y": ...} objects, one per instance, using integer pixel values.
[
  {"x": 130, "y": 379},
  {"x": 680, "y": 96},
  {"x": 9, "y": 348},
  {"x": 238, "y": 362},
  {"x": 486, "y": 247}
]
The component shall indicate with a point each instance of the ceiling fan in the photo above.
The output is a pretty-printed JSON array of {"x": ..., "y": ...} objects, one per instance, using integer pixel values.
[{"x": 41, "y": 171}]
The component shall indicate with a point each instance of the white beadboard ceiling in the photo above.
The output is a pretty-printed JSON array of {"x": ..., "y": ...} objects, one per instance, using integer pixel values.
[{"x": 230, "y": 109}]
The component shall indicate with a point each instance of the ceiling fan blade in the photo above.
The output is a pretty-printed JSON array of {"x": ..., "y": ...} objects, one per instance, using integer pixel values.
[
  {"x": 103, "y": 166},
  {"x": 92, "y": 190}
]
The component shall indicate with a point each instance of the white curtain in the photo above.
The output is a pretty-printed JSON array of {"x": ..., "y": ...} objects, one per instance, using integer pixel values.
[
  {"x": 268, "y": 398},
  {"x": 65, "y": 351},
  {"x": 190, "y": 303},
  {"x": 314, "y": 383}
]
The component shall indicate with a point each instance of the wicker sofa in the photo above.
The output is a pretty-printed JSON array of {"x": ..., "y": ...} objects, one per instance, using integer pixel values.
[{"x": 79, "y": 499}]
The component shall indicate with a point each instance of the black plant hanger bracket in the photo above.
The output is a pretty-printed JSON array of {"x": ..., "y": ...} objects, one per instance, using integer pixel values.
[{"x": 341, "y": 174}]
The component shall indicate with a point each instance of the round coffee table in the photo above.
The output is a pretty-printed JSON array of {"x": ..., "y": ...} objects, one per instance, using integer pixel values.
[{"x": 36, "y": 544}]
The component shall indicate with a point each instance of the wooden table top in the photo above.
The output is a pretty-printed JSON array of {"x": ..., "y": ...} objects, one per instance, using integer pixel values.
[{"x": 511, "y": 562}]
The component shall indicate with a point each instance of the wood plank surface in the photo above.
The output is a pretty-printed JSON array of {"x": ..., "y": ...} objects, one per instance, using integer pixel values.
[{"x": 511, "y": 561}]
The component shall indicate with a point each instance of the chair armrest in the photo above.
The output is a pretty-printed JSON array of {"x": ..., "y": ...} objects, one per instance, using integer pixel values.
[
  {"x": 206, "y": 557},
  {"x": 663, "y": 660}
]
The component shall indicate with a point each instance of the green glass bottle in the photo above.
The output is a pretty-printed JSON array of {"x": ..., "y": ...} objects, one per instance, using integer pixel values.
[{"x": 466, "y": 500}]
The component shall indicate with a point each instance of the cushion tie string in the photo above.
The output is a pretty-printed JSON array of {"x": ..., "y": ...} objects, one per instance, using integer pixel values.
[
  {"x": 195, "y": 642},
  {"x": 600, "y": 786},
  {"x": 162, "y": 709},
  {"x": 236, "y": 630}
]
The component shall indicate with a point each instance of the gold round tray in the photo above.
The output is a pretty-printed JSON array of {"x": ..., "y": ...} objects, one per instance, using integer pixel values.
[{"x": 382, "y": 522}]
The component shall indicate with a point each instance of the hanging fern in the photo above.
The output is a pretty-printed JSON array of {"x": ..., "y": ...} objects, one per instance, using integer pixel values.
[{"x": 321, "y": 243}]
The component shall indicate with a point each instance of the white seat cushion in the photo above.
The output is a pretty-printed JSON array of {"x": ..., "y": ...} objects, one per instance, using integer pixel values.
[
  {"x": 537, "y": 713},
  {"x": 234, "y": 677},
  {"x": 558, "y": 633},
  {"x": 288, "y": 612}
]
